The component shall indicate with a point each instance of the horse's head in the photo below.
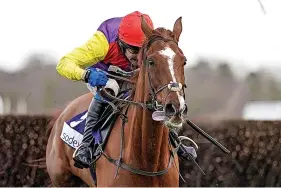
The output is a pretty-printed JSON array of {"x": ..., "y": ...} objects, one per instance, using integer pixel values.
[{"x": 164, "y": 63}]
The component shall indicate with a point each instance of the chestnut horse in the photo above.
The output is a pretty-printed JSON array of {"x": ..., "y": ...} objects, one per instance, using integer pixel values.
[{"x": 148, "y": 159}]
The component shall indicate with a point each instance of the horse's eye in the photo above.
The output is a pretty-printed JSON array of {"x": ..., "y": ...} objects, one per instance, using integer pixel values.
[{"x": 150, "y": 62}]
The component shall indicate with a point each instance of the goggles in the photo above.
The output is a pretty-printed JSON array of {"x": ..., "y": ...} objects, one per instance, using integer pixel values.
[{"x": 131, "y": 49}]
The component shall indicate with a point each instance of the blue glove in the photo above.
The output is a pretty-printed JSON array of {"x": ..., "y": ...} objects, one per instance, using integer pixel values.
[{"x": 97, "y": 78}]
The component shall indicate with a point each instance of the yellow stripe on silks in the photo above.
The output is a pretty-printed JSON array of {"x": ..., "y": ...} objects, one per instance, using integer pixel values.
[{"x": 72, "y": 65}]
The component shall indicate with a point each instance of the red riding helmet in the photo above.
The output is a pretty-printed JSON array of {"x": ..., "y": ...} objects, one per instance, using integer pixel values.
[{"x": 130, "y": 30}]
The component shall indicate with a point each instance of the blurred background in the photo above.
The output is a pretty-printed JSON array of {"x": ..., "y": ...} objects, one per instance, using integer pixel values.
[
  {"x": 233, "y": 72},
  {"x": 233, "y": 51}
]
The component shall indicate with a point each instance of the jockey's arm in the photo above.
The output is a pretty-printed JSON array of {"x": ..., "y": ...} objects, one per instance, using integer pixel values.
[{"x": 73, "y": 64}]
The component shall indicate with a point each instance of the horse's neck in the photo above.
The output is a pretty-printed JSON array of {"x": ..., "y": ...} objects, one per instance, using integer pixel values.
[{"x": 148, "y": 139}]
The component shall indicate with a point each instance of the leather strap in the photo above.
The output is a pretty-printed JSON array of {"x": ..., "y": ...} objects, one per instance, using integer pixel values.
[{"x": 139, "y": 171}]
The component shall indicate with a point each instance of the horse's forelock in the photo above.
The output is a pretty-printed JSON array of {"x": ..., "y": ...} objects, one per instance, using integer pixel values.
[
  {"x": 166, "y": 33},
  {"x": 160, "y": 31}
]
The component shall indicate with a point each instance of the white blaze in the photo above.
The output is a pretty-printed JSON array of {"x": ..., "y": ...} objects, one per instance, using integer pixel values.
[{"x": 170, "y": 55}]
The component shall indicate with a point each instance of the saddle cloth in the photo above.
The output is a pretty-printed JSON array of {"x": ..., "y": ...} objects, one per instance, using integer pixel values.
[
  {"x": 72, "y": 132},
  {"x": 73, "y": 129}
]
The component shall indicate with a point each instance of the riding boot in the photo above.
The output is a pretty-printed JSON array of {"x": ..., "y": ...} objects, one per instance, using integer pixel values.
[
  {"x": 185, "y": 152},
  {"x": 83, "y": 154}
]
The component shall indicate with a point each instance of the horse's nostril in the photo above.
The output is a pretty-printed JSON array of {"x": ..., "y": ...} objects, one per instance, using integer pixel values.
[{"x": 170, "y": 109}]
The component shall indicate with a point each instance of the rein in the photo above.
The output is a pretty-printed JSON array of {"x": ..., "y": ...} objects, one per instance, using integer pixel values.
[
  {"x": 119, "y": 162},
  {"x": 152, "y": 105}
]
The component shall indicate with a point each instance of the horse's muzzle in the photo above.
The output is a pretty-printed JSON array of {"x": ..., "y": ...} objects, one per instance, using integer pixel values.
[{"x": 175, "y": 116}]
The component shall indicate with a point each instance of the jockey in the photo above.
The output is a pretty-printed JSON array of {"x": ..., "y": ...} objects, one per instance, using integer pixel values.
[{"x": 117, "y": 42}]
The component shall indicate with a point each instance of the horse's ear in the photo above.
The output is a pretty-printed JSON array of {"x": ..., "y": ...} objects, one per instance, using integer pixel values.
[
  {"x": 147, "y": 30},
  {"x": 177, "y": 29}
]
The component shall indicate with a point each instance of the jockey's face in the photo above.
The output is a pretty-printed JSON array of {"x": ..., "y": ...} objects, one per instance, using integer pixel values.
[
  {"x": 132, "y": 56},
  {"x": 131, "y": 53}
]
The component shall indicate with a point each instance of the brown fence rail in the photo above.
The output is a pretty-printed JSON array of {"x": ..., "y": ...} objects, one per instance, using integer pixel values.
[{"x": 254, "y": 159}]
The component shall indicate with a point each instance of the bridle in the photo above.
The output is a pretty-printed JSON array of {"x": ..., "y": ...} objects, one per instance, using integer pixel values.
[
  {"x": 172, "y": 86},
  {"x": 151, "y": 104}
]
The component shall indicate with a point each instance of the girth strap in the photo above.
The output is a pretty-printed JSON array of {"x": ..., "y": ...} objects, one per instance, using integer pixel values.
[{"x": 142, "y": 172}]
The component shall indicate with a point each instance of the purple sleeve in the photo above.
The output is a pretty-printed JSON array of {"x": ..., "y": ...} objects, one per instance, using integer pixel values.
[{"x": 110, "y": 28}]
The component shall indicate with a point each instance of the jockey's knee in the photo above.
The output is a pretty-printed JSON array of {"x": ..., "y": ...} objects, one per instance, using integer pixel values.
[{"x": 112, "y": 87}]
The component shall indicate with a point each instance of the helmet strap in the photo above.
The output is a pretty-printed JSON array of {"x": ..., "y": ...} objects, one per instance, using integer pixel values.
[
  {"x": 122, "y": 46},
  {"x": 127, "y": 46}
]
